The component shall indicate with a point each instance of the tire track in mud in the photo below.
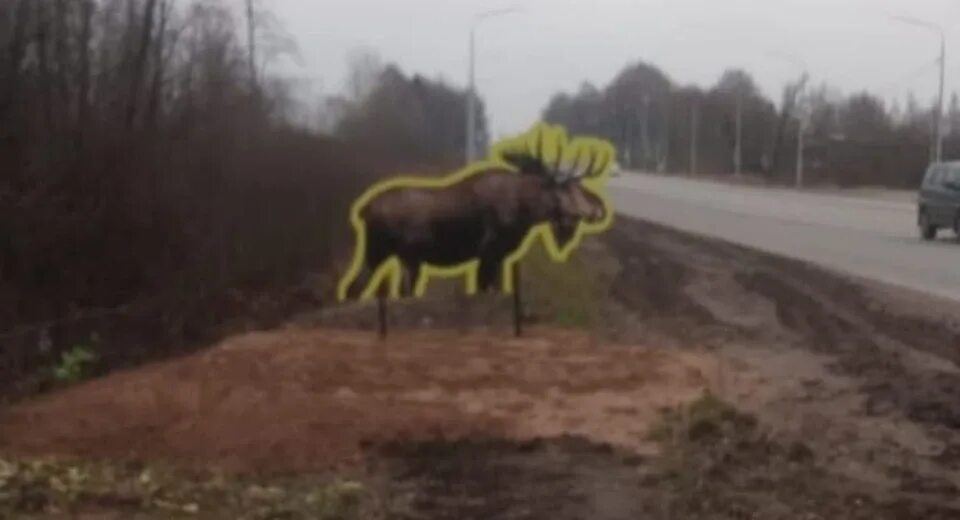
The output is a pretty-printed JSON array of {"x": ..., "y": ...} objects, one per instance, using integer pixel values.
[
  {"x": 901, "y": 357},
  {"x": 830, "y": 315},
  {"x": 865, "y": 351}
]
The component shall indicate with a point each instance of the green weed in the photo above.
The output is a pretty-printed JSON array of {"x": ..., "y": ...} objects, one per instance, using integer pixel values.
[{"x": 75, "y": 364}]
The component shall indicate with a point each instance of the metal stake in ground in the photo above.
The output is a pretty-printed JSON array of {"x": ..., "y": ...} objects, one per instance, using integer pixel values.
[
  {"x": 382, "y": 315},
  {"x": 517, "y": 302}
]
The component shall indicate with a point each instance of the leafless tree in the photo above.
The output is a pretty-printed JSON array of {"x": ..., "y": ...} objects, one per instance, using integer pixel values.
[
  {"x": 788, "y": 105},
  {"x": 141, "y": 142},
  {"x": 252, "y": 42},
  {"x": 421, "y": 118},
  {"x": 364, "y": 69}
]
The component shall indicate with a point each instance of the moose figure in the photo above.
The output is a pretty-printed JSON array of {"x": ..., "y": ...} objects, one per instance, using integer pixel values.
[{"x": 475, "y": 223}]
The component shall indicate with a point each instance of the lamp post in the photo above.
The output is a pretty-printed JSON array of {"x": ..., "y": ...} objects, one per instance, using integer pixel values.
[
  {"x": 738, "y": 148},
  {"x": 936, "y": 148},
  {"x": 801, "y": 122},
  {"x": 471, "y": 80}
]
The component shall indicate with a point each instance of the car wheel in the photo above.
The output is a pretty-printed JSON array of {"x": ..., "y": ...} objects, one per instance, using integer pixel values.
[{"x": 927, "y": 230}]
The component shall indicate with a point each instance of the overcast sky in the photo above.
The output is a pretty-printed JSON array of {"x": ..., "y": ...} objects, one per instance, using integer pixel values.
[{"x": 553, "y": 45}]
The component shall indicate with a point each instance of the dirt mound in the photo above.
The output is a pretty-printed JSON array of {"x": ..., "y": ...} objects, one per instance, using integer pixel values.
[{"x": 307, "y": 399}]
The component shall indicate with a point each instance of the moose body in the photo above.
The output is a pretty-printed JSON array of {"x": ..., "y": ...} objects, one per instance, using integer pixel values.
[{"x": 485, "y": 216}]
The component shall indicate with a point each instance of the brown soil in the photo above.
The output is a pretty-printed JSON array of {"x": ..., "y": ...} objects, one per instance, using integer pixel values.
[
  {"x": 717, "y": 464},
  {"x": 297, "y": 400}
]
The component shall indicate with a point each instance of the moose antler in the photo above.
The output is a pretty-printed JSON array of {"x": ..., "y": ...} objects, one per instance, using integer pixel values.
[
  {"x": 593, "y": 169},
  {"x": 532, "y": 160},
  {"x": 527, "y": 159},
  {"x": 588, "y": 171},
  {"x": 565, "y": 171},
  {"x": 575, "y": 171}
]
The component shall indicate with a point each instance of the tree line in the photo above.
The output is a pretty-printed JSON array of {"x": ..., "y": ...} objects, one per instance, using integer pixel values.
[
  {"x": 423, "y": 117},
  {"x": 659, "y": 125},
  {"x": 154, "y": 187}
]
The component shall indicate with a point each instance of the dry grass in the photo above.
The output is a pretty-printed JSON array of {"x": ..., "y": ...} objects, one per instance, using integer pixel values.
[
  {"x": 52, "y": 488},
  {"x": 570, "y": 294}
]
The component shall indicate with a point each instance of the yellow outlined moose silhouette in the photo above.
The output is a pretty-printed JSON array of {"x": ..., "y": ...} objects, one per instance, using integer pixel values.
[{"x": 478, "y": 222}]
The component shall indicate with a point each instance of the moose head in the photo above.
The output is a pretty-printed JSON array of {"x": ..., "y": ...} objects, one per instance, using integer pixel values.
[{"x": 567, "y": 198}]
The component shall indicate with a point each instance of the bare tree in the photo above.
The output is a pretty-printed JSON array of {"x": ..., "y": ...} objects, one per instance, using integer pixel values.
[
  {"x": 864, "y": 117},
  {"x": 364, "y": 68},
  {"x": 15, "y": 54},
  {"x": 790, "y": 95},
  {"x": 252, "y": 43},
  {"x": 413, "y": 115},
  {"x": 139, "y": 67},
  {"x": 87, "y": 8},
  {"x": 649, "y": 118},
  {"x": 159, "y": 67},
  {"x": 43, "y": 62}
]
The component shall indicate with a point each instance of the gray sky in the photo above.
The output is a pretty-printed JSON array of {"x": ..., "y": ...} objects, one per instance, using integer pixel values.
[{"x": 552, "y": 45}]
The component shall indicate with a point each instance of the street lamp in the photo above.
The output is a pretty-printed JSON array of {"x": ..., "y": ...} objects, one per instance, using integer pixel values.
[
  {"x": 936, "y": 149},
  {"x": 801, "y": 122},
  {"x": 738, "y": 148},
  {"x": 471, "y": 79}
]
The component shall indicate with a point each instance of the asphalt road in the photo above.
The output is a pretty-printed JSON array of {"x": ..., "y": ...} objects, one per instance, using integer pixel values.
[{"x": 870, "y": 237}]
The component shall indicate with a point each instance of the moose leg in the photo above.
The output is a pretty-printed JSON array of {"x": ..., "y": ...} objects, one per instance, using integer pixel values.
[
  {"x": 488, "y": 274},
  {"x": 358, "y": 284},
  {"x": 377, "y": 252},
  {"x": 412, "y": 270}
]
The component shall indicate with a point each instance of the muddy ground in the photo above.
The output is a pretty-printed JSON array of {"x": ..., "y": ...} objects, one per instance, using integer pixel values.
[{"x": 664, "y": 376}]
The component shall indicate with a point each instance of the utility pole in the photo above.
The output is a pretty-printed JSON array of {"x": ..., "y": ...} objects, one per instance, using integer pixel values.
[
  {"x": 471, "y": 130},
  {"x": 645, "y": 131},
  {"x": 625, "y": 142},
  {"x": 801, "y": 126},
  {"x": 936, "y": 147},
  {"x": 938, "y": 153},
  {"x": 664, "y": 159},
  {"x": 792, "y": 97},
  {"x": 628, "y": 143},
  {"x": 738, "y": 147},
  {"x": 800, "y": 130},
  {"x": 694, "y": 128}
]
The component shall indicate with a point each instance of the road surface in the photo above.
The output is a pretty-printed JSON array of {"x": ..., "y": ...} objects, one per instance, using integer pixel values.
[{"x": 870, "y": 237}]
